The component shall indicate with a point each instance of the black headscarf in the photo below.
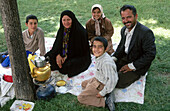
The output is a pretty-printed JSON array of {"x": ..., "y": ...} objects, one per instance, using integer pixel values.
[
  {"x": 69, "y": 13},
  {"x": 78, "y": 42},
  {"x": 78, "y": 54}
]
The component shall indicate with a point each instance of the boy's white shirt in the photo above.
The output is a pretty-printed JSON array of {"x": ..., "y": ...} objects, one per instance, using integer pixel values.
[{"x": 106, "y": 73}]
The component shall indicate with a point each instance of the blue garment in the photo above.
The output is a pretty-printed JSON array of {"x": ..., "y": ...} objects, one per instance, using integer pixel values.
[
  {"x": 28, "y": 52},
  {"x": 3, "y": 56},
  {"x": 7, "y": 63}
]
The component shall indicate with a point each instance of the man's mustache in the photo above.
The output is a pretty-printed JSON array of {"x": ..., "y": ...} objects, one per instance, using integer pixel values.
[{"x": 127, "y": 22}]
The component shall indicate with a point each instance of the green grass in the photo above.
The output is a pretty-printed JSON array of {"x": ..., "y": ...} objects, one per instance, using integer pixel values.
[{"x": 152, "y": 13}]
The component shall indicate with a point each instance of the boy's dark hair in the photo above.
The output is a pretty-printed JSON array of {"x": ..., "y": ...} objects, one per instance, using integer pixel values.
[
  {"x": 130, "y": 7},
  {"x": 101, "y": 39},
  {"x": 31, "y": 17}
]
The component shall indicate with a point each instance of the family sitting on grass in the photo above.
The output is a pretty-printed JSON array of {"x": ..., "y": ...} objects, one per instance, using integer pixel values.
[{"x": 71, "y": 53}]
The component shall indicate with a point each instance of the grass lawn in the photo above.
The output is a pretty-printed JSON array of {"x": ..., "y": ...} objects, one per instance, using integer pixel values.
[{"x": 152, "y": 13}]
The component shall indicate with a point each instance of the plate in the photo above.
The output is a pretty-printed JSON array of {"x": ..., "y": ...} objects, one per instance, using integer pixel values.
[
  {"x": 21, "y": 105},
  {"x": 61, "y": 83}
]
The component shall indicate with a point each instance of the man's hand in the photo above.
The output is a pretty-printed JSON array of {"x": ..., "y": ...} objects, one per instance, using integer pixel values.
[
  {"x": 99, "y": 96},
  {"x": 125, "y": 69}
]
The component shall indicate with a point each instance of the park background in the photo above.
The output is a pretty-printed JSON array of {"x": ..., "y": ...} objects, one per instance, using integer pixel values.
[{"x": 155, "y": 14}]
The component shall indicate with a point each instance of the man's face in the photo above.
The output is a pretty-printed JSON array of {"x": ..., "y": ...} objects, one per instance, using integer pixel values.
[
  {"x": 98, "y": 48},
  {"x": 96, "y": 14},
  {"x": 32, "y": 25},
  {"x": 128, "y": 19}
]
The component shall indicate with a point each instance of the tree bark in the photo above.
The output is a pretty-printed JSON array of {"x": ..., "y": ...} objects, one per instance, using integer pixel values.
[{"x": 23, "y": 85}]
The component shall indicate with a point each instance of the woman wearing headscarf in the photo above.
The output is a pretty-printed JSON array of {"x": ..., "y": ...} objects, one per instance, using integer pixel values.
[
  {"x": 70, "y": 53},
  {"x": 99, "y": 25}
]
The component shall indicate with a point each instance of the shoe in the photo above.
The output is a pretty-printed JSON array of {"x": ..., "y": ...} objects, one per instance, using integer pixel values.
[{"x": 110, "y": 98}]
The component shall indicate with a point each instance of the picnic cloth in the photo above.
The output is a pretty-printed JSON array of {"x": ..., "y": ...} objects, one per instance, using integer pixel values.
[
  {"x": 133, "y": 93},
  {"x": 6, "y": 89}
]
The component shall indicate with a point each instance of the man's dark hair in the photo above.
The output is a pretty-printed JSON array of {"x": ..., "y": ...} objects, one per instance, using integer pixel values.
[
  {"x": 130, "y": 7},
  {"x": 101, "y": 39},
  {"x": 31, "y": 17}
]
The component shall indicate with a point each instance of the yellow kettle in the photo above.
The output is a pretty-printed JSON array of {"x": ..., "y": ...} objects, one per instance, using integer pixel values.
[
  {"x": 41, "y": 73},
  {"x": 40, "y": 69}
]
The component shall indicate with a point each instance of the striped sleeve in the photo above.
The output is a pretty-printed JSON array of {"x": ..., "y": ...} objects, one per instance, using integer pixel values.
[{"x": 110, "y": 73}]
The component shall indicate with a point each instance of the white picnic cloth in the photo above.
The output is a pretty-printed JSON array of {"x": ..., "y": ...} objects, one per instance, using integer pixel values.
[
  {"x": 6, "y": 89},
  {"x": 133, "y": 93}
]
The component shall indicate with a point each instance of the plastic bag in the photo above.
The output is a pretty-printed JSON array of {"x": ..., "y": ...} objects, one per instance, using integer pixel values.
[{"x": 31, "y": 61}]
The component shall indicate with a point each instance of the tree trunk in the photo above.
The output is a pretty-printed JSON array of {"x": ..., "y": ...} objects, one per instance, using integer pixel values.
[{"x": 23, "y": 85}]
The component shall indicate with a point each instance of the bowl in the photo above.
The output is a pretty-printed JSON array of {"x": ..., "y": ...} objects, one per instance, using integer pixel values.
[{"x": 60, "y": 83}]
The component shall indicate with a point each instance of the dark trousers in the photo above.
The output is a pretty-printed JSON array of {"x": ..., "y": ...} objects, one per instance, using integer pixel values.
[{"x": 125, "y": 79}]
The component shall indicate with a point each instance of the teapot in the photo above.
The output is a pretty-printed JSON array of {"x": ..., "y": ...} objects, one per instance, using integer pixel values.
[
  {"x": 45, "y": 92},
  {"x": 40, "y": 61},
  {"x": 42, "y": 71}
]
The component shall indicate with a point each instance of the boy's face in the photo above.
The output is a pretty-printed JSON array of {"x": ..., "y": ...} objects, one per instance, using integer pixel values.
[
  {"x": 98, "y": 48},
  {"x": 32, "y": 25}
]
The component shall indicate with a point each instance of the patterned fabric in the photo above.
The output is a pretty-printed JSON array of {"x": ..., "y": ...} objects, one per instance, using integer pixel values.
[
  {"x": 133, "y": 93},
  {"x": 65, "y": 41}
]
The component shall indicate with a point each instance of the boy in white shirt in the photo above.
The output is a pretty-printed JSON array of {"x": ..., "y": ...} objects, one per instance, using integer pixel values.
[{"x": 105, "y": 80}]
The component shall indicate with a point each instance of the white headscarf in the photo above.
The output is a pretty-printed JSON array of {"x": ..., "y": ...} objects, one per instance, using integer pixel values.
[
  {"x": 100, "y": 7},
  {"x": 97, "y": 26}
]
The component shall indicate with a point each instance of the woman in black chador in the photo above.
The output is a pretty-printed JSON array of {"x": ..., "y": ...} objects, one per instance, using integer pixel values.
[{"x": 70, "y": 53}]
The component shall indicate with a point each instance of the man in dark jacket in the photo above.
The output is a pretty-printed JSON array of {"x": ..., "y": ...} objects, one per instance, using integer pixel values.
[{"x": 136, "y": 49}]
